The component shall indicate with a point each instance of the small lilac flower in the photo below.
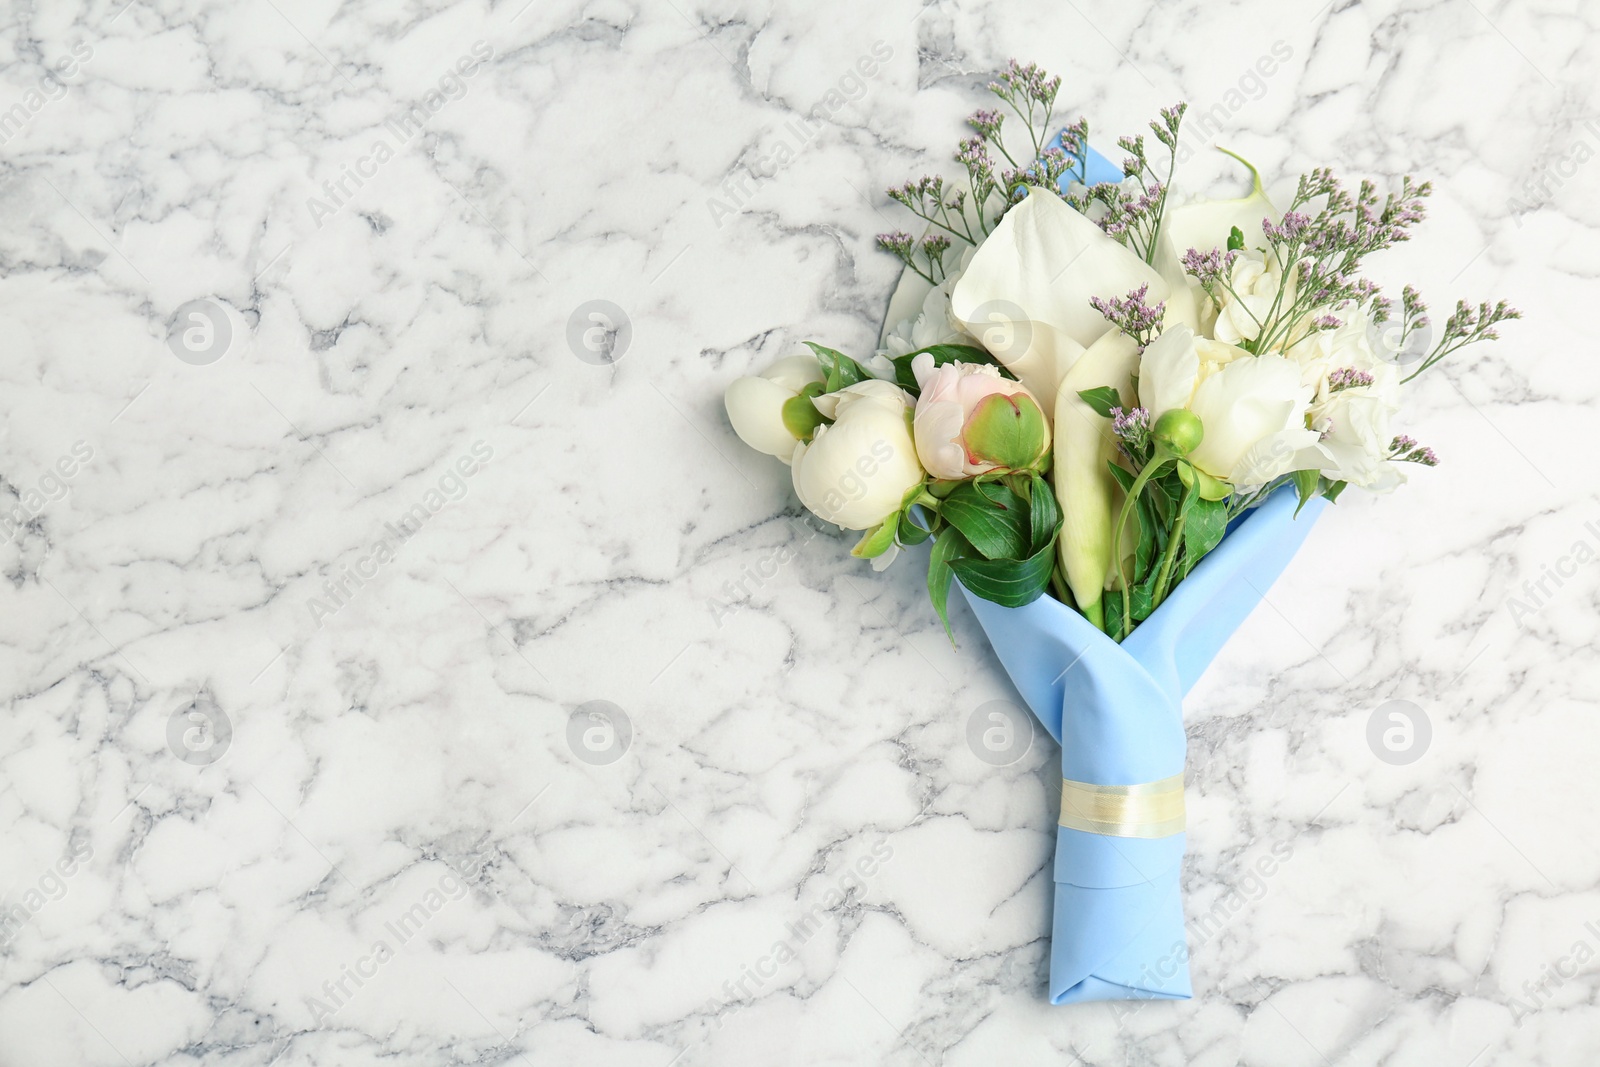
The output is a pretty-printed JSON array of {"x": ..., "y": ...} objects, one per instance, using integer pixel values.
[{"x": 1132, "y": 315}]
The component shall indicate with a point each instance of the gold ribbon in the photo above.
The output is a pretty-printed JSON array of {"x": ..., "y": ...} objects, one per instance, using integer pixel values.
[{"x": 1150, "y": 809}]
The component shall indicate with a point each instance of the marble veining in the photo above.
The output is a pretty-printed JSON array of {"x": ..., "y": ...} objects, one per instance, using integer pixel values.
[{"x": 405, "y": 663}]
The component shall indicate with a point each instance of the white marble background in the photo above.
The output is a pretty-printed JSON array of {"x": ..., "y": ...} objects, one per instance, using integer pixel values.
[{"x": 793, "y": 716}]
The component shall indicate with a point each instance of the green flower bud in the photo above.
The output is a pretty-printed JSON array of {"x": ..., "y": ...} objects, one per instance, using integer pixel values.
[
  {"x": 1008, "y": 431},
  {"x": 1179, "y": 431}
]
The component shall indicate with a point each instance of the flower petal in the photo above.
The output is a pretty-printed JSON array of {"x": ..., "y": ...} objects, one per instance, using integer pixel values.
[
  {"x": 1205, "y": 224},
  {"x": 1034, "y": 276}
]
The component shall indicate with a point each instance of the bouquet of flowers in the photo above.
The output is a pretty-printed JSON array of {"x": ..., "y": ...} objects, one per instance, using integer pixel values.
[{"x": 1114, "y": 417}]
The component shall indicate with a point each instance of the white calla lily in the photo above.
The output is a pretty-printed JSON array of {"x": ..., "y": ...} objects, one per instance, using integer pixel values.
[
  {"x": 1084, "y": 447},
  {"x": 1206, "y": 224},
  {"x": 1030, "y": 284},
  {"x": 929, "y": 323},
  {"x": 1184, "y": 295}
]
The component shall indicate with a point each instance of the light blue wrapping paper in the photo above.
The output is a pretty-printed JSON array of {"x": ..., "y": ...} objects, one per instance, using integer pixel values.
[{"x": 1116, "y": 711}]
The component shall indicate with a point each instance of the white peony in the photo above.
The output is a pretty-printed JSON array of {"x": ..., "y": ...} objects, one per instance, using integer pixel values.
[
  {"x": 856, "y": 472},
  {"x": 755, "y": 404},
  {"x": 1252, "y": 408}
]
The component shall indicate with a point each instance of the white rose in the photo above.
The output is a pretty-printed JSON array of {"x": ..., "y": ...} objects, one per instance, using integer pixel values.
[
  {"x": 857, "y": 472},
  {"x": 1252, "y": 408},
  {"x": 1025, "y": 295},
  {"x": 1247, "y": 300},
  {"x": 755, "y": 404}
]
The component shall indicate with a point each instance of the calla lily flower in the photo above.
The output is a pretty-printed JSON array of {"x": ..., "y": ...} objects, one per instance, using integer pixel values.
[{"x": 1029, "y": 286}]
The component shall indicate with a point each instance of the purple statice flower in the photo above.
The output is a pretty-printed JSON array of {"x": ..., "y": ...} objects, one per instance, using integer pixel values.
[
  {"x": 1404, "y": 449},
  {"x": 900, "y": 243},
  {"x": 1075, "y": 137},
  {"x": 1294, "y": 224},
  {"x": 1124, "y": 423},
  {"x": 1203, "y": 264},
  {"x": 1330, "y": 322},
  {"x": 1132, "y": 430},
  {"x": 1132, "y": 315},
  {"x": 1028, "y": 82},
  {"x": 987, "y": 123},
  {"x": 1348, "y": 378},
  {"x": 971, "y": 153}
]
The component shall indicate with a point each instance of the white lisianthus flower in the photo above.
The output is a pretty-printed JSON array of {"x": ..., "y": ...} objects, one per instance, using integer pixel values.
[
  {"x": 1357, "y": 396},
  {"x": 1025, "y": 295},
  {"x": 857, "y": 472},
  {"x": 755, "y": 404},
  {"x": 1252, "y": 408}
]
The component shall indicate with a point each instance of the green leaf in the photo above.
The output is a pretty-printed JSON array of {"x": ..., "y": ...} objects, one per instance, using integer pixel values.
[
  {"x": 1044, "y": 513},
  {"x": 1333, "y": 490},
  {"x": 947, "y": 547},
  {"x": 909, "y": 533},
  {"x": 841, "y": 370},
  {"x": 1202, "y": 531},
  {"x": 942, "y": 354},
  {"x": 876, "y": 541},
  {"x": 1111, "y": 604},
  {"x": 1141, "y": 598},
  {"x": 800, "y": 415},
  {"x": 1305, "y": 483},
  {"x": 996, "y": 488},
  {"x": 1102, "y": 400},
  {"x": 1208, "y": 487},
  {"x": 1235, "y": 239},
  {"x": 996, "y": 528},
  {"x": 1152, "y": 538},
  {"x": 1010, "y": 583}
]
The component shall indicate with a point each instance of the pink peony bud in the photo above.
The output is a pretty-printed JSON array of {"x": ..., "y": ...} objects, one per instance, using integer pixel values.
[{"x": 970, "y": 421}]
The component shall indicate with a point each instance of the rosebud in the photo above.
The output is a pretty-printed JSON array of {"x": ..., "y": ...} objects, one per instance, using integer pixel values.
[{"x": 971, "y": 421}]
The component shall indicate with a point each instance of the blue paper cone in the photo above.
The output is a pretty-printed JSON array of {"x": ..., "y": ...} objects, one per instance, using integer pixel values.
[{"x": 1117, "y": 712}]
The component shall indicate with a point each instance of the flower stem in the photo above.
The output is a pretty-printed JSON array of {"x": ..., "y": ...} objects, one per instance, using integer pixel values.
[
  {"x": 1096, "y": 613},
  {"x": 1173, "y": 539},
  {"x": 1151, "y": 469}
]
